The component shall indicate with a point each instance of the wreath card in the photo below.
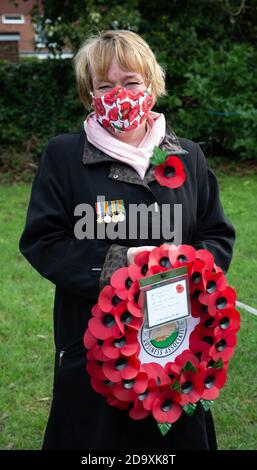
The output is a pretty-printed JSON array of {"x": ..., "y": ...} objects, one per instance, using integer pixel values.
[{"x": 166, "y": 297}]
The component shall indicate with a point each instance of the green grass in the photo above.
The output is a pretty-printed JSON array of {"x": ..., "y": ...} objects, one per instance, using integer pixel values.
[
  {"x": 235, "y": 410},
  {"x": 26, "y": 336}
]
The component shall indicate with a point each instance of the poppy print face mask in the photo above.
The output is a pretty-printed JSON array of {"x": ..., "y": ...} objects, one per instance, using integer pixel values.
[{"x": 123, "y": 110}]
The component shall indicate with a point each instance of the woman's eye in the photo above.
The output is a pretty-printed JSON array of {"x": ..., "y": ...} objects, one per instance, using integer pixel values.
[{"x": 108, "y": 86}]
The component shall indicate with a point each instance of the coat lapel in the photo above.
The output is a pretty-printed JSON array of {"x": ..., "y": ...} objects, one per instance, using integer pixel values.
[{"x": 121, "y": 171}]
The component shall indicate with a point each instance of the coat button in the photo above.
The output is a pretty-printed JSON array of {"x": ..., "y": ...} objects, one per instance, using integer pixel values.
[{"x": 115, "y": 176}]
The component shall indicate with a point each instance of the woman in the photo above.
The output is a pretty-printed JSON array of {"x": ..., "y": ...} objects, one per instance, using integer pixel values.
[{"x": 110, "y": 157}]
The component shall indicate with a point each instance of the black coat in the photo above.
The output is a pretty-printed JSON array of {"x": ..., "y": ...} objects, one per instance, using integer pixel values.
[{"x": 72, "y": 171}]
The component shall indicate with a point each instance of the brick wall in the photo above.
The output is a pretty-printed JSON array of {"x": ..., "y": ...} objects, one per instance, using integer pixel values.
[{"x": 26, "y": 31}]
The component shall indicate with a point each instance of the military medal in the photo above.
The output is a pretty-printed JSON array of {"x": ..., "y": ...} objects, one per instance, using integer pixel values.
[
  {"x": 110, "y": 211},
  {"x": 115, "y": 217},
  {"x": 107, "y": 217},
  {"x": 99, "y": 212},
  {"x": 121, "y": 211}
]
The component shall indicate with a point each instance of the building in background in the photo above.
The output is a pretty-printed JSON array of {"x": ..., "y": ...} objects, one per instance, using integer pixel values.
[{"x": 19, "y": 37}]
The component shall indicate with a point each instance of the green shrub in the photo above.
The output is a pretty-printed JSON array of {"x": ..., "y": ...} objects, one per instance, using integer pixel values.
[{"x": 212, "y": 98}]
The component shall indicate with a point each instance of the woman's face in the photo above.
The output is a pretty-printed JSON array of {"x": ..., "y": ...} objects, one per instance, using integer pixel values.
[{"x": 118, "y": 77}]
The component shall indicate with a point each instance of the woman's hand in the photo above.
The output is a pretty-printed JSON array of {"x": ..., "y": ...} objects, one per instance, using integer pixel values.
[{"x": 132, "y": 252}]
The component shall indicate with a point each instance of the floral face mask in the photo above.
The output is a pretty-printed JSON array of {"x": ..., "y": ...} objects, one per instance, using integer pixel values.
[{"x": 123, "y": 110}]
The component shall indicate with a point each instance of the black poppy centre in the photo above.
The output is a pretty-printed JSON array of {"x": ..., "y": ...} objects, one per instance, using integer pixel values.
[
  {"x": 128, "y": 384},
  {"x": 121, "y": 364},
  {"x": 187, "y": 387},
  {"x": 209, "y": 381},
  {"x": 115, "y": 300},
  {"x": 108, "y": 320},
  {"x": 166, "y": 405},
  {"x": 126, "y": 317},
  {"x": 169, "y": 171},
  {"x": 165, "y": 262},
  {"x": 119, "y": 342}
]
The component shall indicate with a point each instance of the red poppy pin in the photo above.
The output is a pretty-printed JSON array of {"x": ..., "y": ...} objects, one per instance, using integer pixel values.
[
  {"x": 179, "y": 288},
  {"x": 169, "y": 169}
]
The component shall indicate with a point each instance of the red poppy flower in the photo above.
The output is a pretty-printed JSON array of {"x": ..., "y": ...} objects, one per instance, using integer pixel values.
[
  {"x": 133, "y": 297},
  {"x": 207, "y": 257},
  {"x": 200, "y": 348},
  {"x": 181, "y": 255},
  {"x": 141, "y": 382},
  {"x": 208, "y": 321},
  {"x": 203, "y": 333},
  {"x": 129, "y": 389},
  {"x": 122, "y": 368},
  {"x": 173, "y": 371},
  {"x": 229, "y": 318},
  {"x": 214, "y": 281},
  {"x": 147, "y": 103},
  {"x": 138, "y": 411},
  {"x": 166, "y": 408},
  {"x": 105, "y": 387},
  {"x": 95, "y": 346},
  {"x": 121, "y": 405},
  {"x": 122, "y": 279},
  {"x": 113, "y": 114},
  {"x": 103, "y": 325},
  {"x": 108, "y": 299},
  {"x": 224, "y": 345},
  {"x": 95, "y": 370},
  {"x": 126, "y": 319},
  {"x": 159, "y": 256},
  {"x": 144, "y": 403},
  {"x": 201, "y": 340},
  {"x": 141, "y": 260},
  {"x": 96, "y": 311},
  {"x": 170, "y": 173},
  {"x": 158, "y": 376},
  {"x": 113, "y": 95},
  {"x": 219, "y": 300},
  {"x": 192, "y": 387},
  {"x": 126, "y": 345},
  {"x": 179, "y": 288},
  {"x": 99, "y": 107},
  {"x": 198, "y": 309},
  {"x": 213, "y": 379},
  {"x": 195, "y": 276},
  {"x": 124, "y": 394},
  {"x": 155, "y": 270},
  {"x": 125, "y": 109},
  {"x": 133, "y": 113},
  {"x": 186, "y": 356}
]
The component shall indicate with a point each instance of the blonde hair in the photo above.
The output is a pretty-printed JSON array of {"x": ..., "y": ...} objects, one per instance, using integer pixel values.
[{"x": 132, "y": 54}]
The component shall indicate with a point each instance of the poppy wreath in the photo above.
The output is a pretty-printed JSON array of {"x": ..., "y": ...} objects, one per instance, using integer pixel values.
[
  {"x": 197, "y": 374},
  {"x": 169, "y": 169}
]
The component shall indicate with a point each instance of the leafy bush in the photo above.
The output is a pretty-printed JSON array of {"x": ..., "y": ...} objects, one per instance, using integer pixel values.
[
  {"x": 208, "y": 52},
  {"x": 38, "y": 100}
]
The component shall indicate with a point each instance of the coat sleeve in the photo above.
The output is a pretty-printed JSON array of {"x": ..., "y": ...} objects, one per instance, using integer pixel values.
[
  {"x": 48, "y": 241},
  {"x": 213, "y": 230}
]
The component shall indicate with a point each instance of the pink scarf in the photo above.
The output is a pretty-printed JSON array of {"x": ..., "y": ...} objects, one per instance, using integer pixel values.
[{"x": 137, "y": 157}]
